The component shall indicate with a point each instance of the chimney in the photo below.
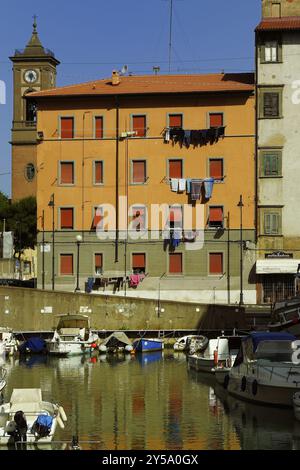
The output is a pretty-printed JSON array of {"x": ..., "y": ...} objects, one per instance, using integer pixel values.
[{"x": 115, "y": 78}]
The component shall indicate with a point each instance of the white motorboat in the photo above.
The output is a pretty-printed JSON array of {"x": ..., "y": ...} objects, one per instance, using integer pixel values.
[
  {"x": 27, "y": 418},
  {"x": 72, "y": 336},
  {"x": 9, "y": 341},
  {"x": 263, "y": 371},
  {"x": 218, "y": 353},
  {"x": 184, "y": 343}
]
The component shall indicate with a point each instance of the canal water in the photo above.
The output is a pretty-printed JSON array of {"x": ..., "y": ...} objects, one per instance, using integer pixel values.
[{"x": 149, "y": 401}]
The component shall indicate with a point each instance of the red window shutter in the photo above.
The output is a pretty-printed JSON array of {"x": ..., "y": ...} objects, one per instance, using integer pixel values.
[
  {"x": 175, "y": 168},
  {"x": 216, "y": 214},
  {"x": 216, "y": 263},
  {"x": 99, "y": 127},
  {"x": 139, "y": 125},
  {"x": 175, "y": 263},
  {"x": 66, "y": 264},
  {"x": 98, "y": 217},
  {"x": 67, "y": 127},
  {"x": 98, "y": 172},
  {"x": 216, "y": 168},
  {"x": 98, "y": 260},
  {"x": 216, "y": 119},
  {"x": 175, "y": 120},
  {"x": 66, "y": 173},
  {"x": 139, "y": 171},
  {"x": 138, "y": 260},
  {"x": 175, "y": 214},
  {"x": 66, "y": 218}
]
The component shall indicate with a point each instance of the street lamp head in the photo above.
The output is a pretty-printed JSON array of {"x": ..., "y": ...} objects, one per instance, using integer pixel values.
[
  {"x": 240, "y": 204},
  {"x": 51, "y": 202},
  {"x": 79, "y": 238}
]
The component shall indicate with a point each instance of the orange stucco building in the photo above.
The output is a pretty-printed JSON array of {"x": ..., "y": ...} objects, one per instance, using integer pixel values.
[{"x": 162, "y": 139}]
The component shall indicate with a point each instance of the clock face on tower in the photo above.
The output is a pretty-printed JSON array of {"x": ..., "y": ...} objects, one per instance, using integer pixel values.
[{"x": 30, "y": 76}]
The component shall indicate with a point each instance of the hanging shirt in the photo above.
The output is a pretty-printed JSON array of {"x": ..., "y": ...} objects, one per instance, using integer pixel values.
[
  {"x": 181, "y": 184},
  {"x": 195, "y": 190}
]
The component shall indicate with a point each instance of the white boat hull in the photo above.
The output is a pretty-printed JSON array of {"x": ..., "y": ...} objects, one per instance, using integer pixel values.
[
  {"x": 200, "y": 364},
  {"x": 65, "y": 348}
]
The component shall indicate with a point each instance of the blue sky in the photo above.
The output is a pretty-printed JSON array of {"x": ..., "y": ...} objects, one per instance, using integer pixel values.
[{"x": 93, "y": 37}]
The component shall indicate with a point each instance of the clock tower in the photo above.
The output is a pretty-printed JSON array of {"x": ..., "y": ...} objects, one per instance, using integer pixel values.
[{"x": 34, "y": 69}]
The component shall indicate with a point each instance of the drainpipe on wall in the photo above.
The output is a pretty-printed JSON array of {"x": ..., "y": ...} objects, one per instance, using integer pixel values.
[{"x": 117, "y": 181}]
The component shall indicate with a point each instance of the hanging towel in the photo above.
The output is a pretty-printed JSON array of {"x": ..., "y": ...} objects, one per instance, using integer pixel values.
[
  {"x": 181, "y": 184},
  {"x": 135, "y": 279},
  {"x": 188, "y": 185},
  {"x": 208, "y": 186},
  {"x": 167, "y": 135},
  {"x": 187, "y": 138},
  {"x": 174, "y": 184},
  {"x": 195, "y": 190}
]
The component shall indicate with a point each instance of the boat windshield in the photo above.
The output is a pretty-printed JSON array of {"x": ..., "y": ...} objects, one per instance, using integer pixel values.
[
  {"x": 274, "y": 351},
  {"x": 73, "y": 323}
]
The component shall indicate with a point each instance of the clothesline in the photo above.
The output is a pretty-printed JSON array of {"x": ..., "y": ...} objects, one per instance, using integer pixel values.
[
  {"x": 193, "y": 186},
  {"x": 197, "y": 137}
]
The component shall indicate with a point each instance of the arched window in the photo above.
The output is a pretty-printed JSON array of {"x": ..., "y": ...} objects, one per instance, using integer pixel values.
[
  {"x": 30, "y": 171},
  {"x": 30, "y": 107}
]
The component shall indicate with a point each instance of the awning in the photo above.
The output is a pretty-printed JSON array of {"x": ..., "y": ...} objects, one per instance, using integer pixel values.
[{"x": 277, "y": 266}]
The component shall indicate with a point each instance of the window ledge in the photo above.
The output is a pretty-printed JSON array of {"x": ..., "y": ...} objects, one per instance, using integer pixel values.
[{"x": 271, "y": 177}]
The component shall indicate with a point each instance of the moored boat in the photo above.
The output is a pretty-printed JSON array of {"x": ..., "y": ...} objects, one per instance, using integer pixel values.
[
  {"x": 184, "y": 343},
  {"x": 73, "y": 335},
  {"x": 218, "y": 353},
  {"x": 26, "y": 418},
  {"x": 116, "y": 342},
  {"x": 263, "y": 371},
  {"x": 148, "y": 344},
  {"x": 9, "y": 341}
]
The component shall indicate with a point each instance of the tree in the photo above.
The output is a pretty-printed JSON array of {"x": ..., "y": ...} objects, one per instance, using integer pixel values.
[{"x": 20, "y": 217}]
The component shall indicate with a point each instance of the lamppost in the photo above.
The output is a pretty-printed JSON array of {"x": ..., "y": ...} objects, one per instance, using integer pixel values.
[
  {"x": 78, "y": 241},
  {"x": 52, "y": 204},
  {"x": 158, "y": 300},
  {"x": 241, "y": 205}
]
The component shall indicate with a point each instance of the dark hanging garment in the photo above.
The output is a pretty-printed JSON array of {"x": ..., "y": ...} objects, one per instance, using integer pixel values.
[{"x": 195, "y": 190}]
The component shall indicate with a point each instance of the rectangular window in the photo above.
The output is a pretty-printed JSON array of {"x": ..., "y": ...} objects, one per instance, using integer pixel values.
[
  {"x": 175, "y": 220},
  {"x": 66, "y": 172},
  {"x": 175, "y": 168},
  {"x": 67, "y": 127},
  {"x": 175, "y": 263},
  {"x": 97, "y": 218},
  {"x": 66, "y": 218},
  {"x": 215, "y": 217},
  {"x": 98, "y": 263},
  {"x": 276, "y": 10},
  {"x": 216, "y": 119},
  {"x": 175, "y": 120},
  {"x": 139, "y": 125},
  {"x": 98, "y": 172},
  {"x": 271, "y": 104},
  {"x": 99, "y": 127},
  {"x": 216, "y": 168},
  {"x": 271, "y": 51},
  {"x": 215, "y": 263},
  {"x": 139, "y": 263},
  {"x": 271, "y": 163},
  {"x": 139, "y": 171},
  {"x": 66, "y": 265},
  {"x": 272, "y": 223}
]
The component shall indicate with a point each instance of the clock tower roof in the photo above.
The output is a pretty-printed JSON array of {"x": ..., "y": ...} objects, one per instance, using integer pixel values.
[{"x": 34, "y": 49}]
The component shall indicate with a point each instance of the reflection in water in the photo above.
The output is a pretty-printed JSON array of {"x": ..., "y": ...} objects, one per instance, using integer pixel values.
[{"x": 149, "y": 401}]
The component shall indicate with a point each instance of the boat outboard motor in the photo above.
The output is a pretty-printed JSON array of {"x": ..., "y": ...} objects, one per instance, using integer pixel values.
[{"x": 20, "y": 433}]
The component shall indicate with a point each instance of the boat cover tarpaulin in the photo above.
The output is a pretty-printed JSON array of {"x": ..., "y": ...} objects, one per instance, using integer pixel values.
[
  {"x": 118, "y": 338},
  {"x": 265, "y": 336},
  {"x": 33, "y": 345}
]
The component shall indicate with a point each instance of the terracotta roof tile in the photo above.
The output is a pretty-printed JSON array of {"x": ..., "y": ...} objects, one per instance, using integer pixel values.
[
  {"x": 277, "y": 24},
  {"x": 145, "y": 84}
]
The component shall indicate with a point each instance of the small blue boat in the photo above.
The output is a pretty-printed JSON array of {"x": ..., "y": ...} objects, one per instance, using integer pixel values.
[{"x": 148, "y": 344}]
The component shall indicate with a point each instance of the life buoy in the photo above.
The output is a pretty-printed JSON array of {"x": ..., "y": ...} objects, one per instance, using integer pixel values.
[
  {"x": 62, "y": 413},
  {"x": 243, "y": 384}
]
